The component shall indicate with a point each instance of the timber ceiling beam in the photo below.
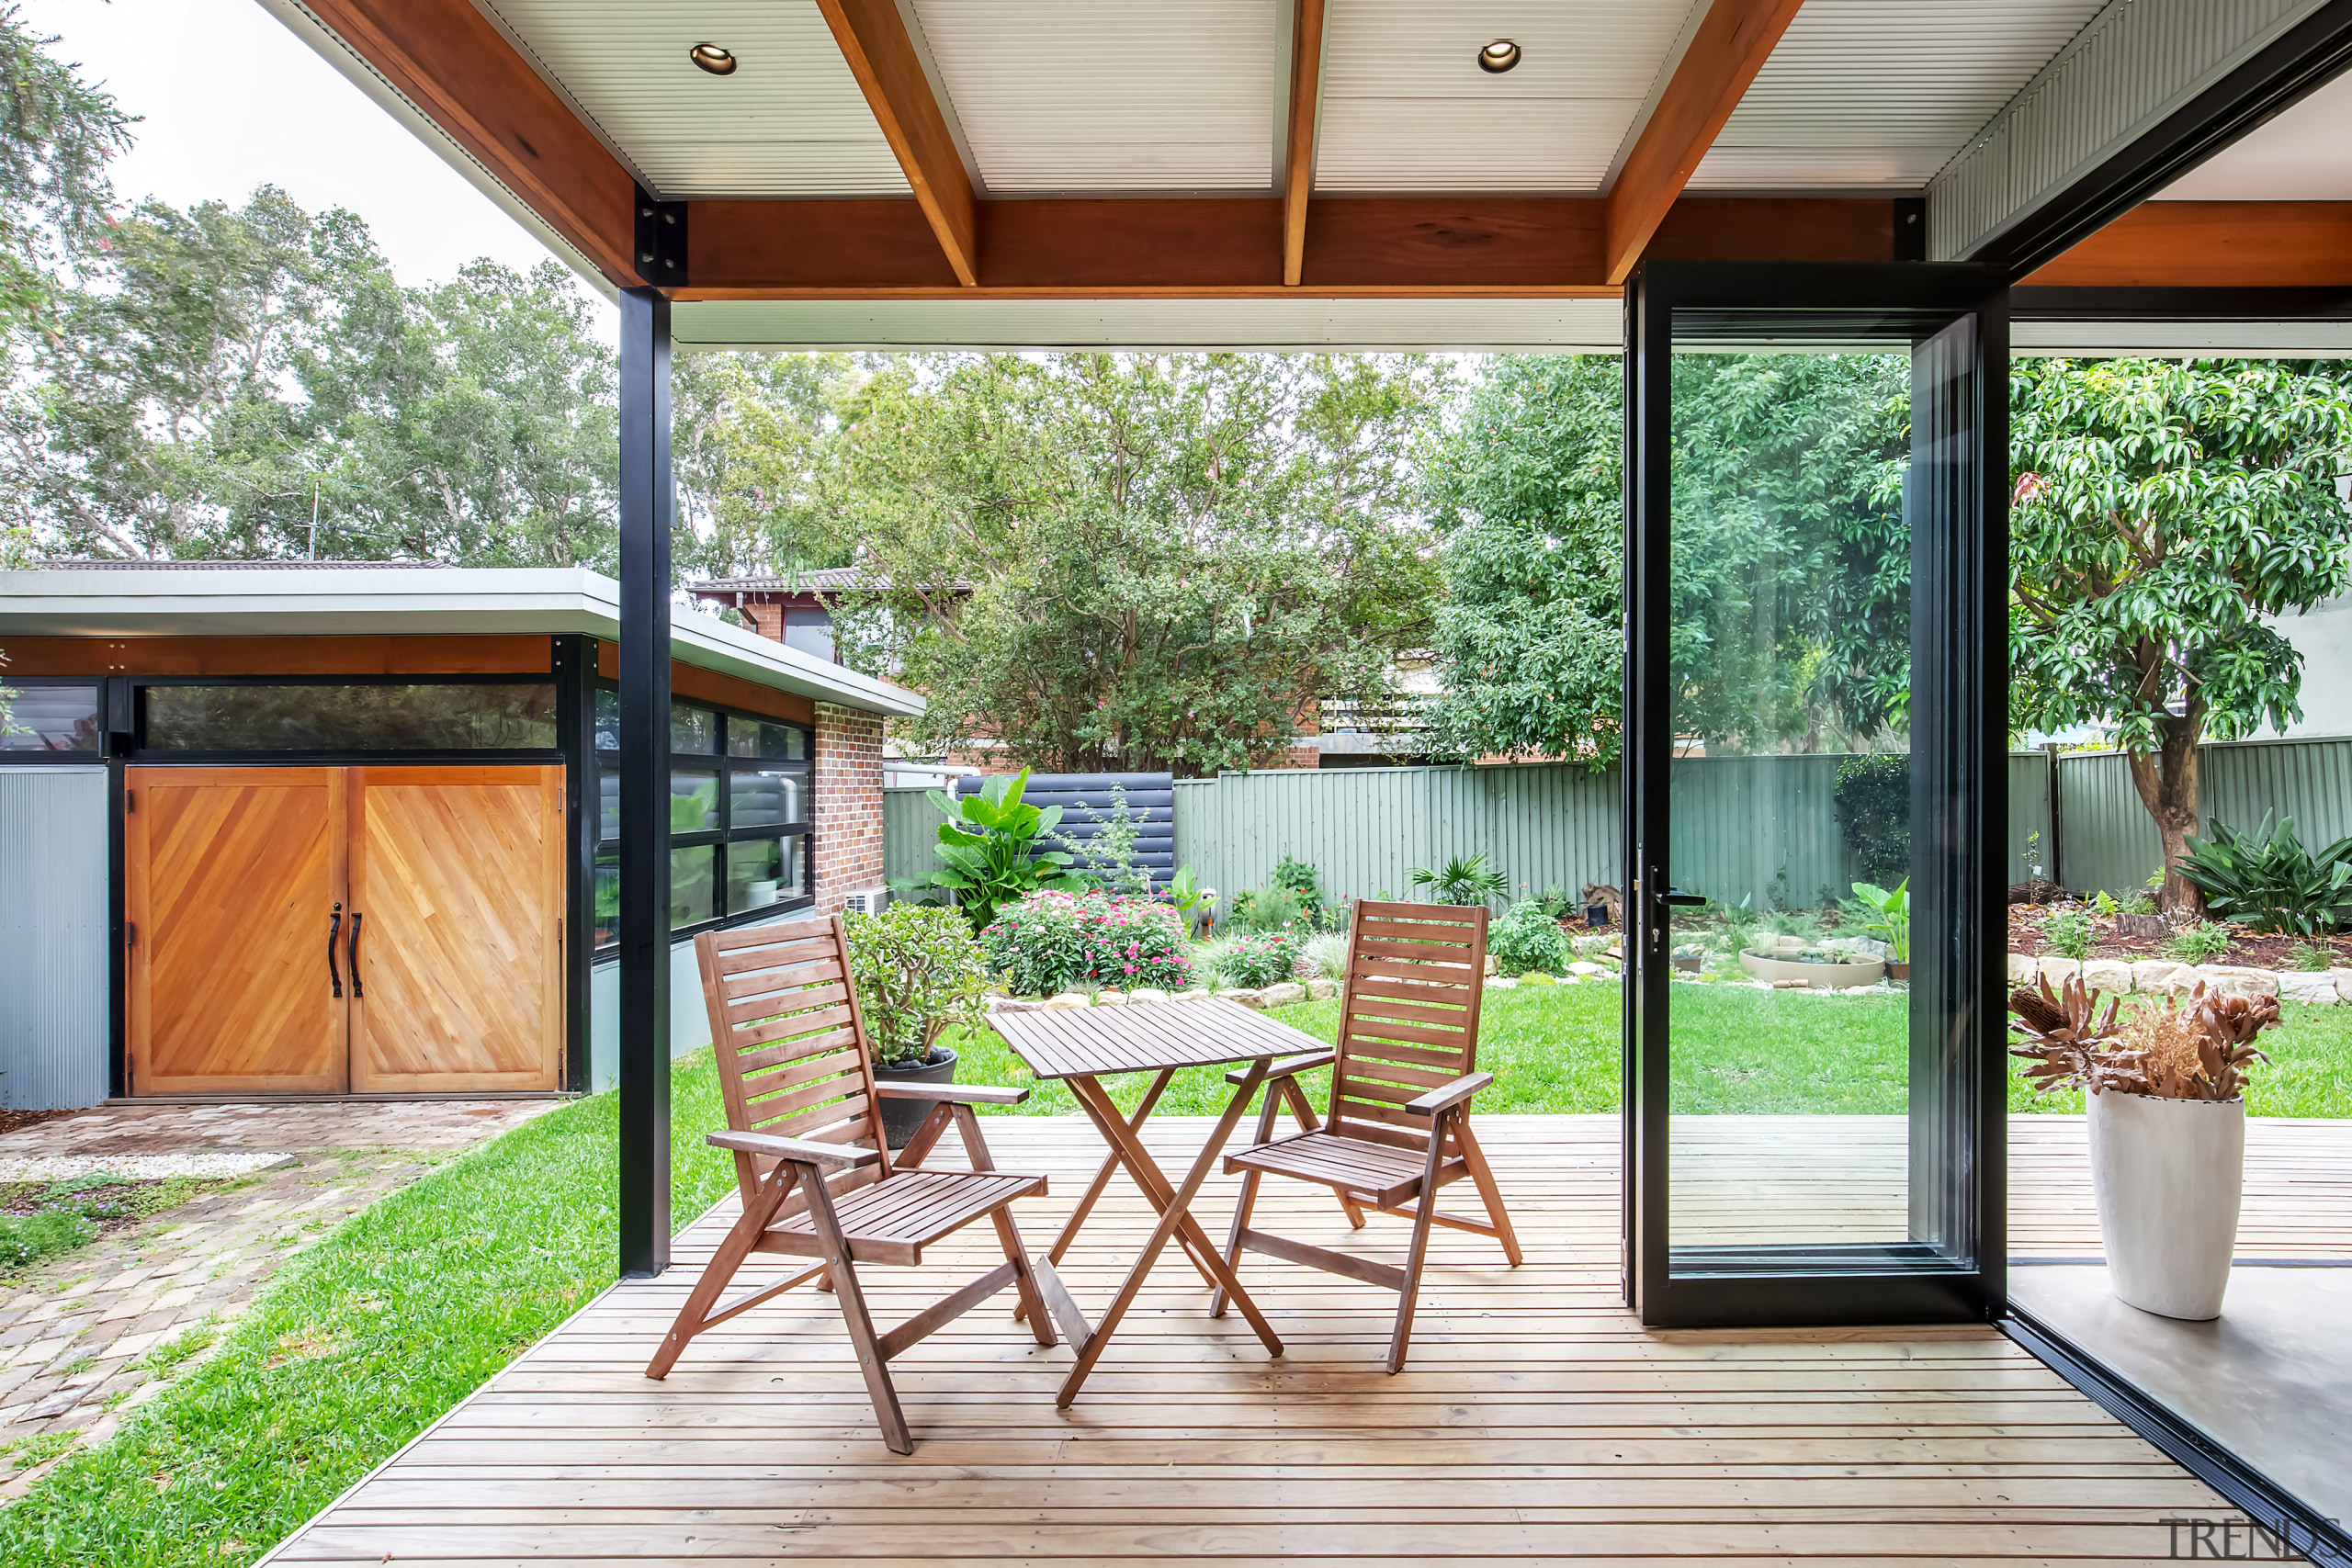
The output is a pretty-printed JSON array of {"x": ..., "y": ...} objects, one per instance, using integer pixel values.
[
  {"x": 2210, "y": 244},
  {"x": 1298, "y": 157},
  {"x": 873, "y": 38},
  {"x": 1232, "y": 247},
  {"x": 1730, "y": 47},
  {"x": 445, "y": 58}
]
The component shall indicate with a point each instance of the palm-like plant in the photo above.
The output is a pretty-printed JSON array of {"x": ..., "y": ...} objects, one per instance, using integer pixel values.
[
  {"x": 1460, "y": 880},
  {"x": 2269, "y": 880},
  {"x": 985, "y": 843}
]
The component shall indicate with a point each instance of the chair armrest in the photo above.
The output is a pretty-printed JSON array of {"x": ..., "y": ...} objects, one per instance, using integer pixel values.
[
  {"x": 1453, "y": 1094},
  {"x": 836, "y": 1157},
  {"x": 954, "y": 1093},
  {"x": 1286, "y": 1069}
]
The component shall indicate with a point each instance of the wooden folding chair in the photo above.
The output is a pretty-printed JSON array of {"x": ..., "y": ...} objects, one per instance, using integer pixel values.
[
  {"x": 803, "y": 1120},
  {"x": 1401, "y": 1083}
]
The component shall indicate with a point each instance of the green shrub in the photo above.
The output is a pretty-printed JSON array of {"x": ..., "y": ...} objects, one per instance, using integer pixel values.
[
  {"x": 2310, "y": 956},
  {"x": 1300, "y": 878},
  {"x": 1258, "y": 958},
  {"x": 985, "y": 847},
  {"x": 2069, "y": 933},
  {"x": 2199, "y": 944},
  {"x": 919, "y": 970},
  {"x": 1872, "y": 800},
  {"x": 1266, "y": 910},
  {"x": 1461, "y": 881},
  {"x": 1050, "y": 941},
  {"x": 1327, "y": 955},
  {"x": 2269, "y": 880},
  {"x": 1527, "y": 937}
]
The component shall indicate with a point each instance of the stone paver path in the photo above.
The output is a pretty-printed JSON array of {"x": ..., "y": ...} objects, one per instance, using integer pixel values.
[{"x": 76, "y": 1332}]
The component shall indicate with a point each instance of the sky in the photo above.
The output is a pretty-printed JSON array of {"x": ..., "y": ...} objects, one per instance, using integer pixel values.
[{"x": 232, "y": 99}]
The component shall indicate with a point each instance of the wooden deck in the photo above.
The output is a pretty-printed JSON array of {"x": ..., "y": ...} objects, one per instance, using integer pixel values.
[{"x": 1536, "y": 1420}]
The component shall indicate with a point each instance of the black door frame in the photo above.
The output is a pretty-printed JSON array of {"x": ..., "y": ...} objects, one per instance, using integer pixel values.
[{"x": 1960, "y": 723}]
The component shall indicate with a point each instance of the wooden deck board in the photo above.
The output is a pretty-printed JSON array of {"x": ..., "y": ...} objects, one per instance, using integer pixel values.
[{"x": 1536, "y": 1420}]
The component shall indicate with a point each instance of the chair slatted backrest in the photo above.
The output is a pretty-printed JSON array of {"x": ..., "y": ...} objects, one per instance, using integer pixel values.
[
  {"x": 790, "y": 1041},
  {"x": 1408, "y": 1018}
]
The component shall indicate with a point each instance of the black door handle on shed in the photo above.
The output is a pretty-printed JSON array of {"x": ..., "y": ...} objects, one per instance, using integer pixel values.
[
  {"x": 334, "y": 929},
  {"x": 355, "y": 992}
]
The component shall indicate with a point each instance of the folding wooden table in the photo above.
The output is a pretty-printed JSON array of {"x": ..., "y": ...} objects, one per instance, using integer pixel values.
[{"x": 1084, "y": 1045}]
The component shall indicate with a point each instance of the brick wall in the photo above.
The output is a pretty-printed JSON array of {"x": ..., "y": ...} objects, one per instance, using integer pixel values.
[{"x": 848, "y": 785}]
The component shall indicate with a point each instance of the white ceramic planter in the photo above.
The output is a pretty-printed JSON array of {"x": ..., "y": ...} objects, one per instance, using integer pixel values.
[
  {"x": 1822, "y": 976},
  {"x": 2168, "y": 1175}
]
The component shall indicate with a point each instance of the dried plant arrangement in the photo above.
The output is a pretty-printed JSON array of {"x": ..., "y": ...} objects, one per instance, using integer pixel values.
[{"x": 2197, "y": 1050}]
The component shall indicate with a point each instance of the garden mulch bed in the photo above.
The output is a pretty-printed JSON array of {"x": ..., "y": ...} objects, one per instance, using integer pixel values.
[{"x": 2252, "y": 949}]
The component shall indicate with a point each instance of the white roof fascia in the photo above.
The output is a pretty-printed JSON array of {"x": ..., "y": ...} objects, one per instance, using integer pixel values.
[{"x": 365, "y": 601}]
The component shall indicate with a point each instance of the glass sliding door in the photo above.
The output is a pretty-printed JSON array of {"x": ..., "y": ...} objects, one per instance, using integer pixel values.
[{"x": 1816, "y": 713}]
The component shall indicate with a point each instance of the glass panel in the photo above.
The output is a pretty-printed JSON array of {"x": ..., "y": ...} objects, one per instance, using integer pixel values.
[
  {"x": 50, "y": 718},
  {"x": 1790, "y": 1044},
  {"x": 694, "y": 802},
  {"x": 520, "y": 717},
  {"x": 609, "y": 898},
  {"x": 811, "y": 632},
  {"x": 782, "y": 742},
  {"x": 608, "y": 720},
  {"x": 693, "y": 730},
  {"x": 767, "y": 799},
  {"x": 761, "y": 872},
  {"x": 693, "y": 885},
  {"x": 608, "y": 798}
]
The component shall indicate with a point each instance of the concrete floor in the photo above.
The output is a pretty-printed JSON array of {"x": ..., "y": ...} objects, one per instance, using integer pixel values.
[{"x": 2270, "y": 1378}]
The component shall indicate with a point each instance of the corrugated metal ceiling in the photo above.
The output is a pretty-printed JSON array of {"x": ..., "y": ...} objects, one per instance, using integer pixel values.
[
  {"x": 1878, "y": 95},
  {"x": 1405, "y": 108},
  {"x": 1102, "y": 96},
  {"x": 790, "y": 121}
]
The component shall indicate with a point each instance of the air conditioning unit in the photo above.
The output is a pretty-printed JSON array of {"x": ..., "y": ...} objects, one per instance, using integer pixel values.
[{"x": 871, "y": 901}]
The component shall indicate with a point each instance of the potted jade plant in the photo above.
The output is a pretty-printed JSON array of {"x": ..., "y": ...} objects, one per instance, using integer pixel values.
[
  {"x": 2165, "y": 1093},
  {"x": 919, "y": 972},
  {"x": 1889, "y": 921}
]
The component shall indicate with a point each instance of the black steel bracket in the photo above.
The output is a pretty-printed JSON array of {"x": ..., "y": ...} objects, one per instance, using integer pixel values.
[{"x": 661, "y": 254}]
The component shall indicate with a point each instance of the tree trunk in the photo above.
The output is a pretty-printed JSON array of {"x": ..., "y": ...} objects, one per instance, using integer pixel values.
[{"x": 2167, "y": 780}]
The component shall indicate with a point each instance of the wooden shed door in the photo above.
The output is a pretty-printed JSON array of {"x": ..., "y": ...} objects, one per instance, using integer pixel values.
[
  {"x": 457, "y": 875},
  {"x": 231, "y": 877},
  {"x": 442, "y": 887}
]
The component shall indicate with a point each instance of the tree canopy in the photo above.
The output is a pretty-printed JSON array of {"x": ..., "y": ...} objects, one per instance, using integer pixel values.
[
  {"x": 1141, "y": 562},
  {"x": 2164, "y": 512}
]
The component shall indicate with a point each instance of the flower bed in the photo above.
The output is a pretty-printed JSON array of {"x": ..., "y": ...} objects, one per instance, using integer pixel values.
[{"x": 1049, "y": 942}]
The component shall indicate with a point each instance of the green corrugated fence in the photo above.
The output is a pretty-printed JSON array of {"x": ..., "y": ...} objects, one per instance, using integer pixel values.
[{"x": 1760, "y": 827}]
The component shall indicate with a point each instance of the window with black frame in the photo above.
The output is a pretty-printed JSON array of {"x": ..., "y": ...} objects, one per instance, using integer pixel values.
[
  {"x": 738, "y": 816},
  {"x": 49, "y": 720}
]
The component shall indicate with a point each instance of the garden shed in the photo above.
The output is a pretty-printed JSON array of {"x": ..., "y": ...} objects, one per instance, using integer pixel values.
[{"x": 330, "y": 828}]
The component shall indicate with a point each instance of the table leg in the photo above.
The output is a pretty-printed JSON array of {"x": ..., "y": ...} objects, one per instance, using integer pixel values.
[
  {"x": 1154, "y": 1185},
  {"x": 1175, "y": 1217}
]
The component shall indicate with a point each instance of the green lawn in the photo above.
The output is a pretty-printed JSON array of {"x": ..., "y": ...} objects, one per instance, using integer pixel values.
[
  {"x": 1556, "y": 1048},
  {"x": 402, "y": 1310}
]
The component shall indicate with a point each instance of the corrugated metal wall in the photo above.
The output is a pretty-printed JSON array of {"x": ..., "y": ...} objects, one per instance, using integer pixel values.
[
  {"x": 1761, "y": 828},
  {"x": 53, "y": 973}
]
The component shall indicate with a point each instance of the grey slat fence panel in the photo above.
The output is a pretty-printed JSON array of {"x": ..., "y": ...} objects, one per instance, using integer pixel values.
[
  {"x": 2108, "y": 841},
  {"x": 2029, "y": 814},
  {"x": 2112, "y": 843},
  {"x": 54, "y": 977}
]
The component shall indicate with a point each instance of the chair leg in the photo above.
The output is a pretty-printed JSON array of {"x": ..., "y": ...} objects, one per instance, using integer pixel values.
[
  {"x": 1481, "y": 1177},
  {"x": 1424, "y": 1215},
  {"x": 721, "y": 1270},
  {"x": 862, "y": 1337},
  {"x": 1275, "y": 1097}
]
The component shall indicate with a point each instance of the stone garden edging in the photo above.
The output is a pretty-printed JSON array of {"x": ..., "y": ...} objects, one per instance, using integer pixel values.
[{"x": 2163, "y": 977}]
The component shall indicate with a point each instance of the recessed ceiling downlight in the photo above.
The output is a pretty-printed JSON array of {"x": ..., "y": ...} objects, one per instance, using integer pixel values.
[
  {"x": 716, "y": 61},
  {"x": 1498, "y": 57}
]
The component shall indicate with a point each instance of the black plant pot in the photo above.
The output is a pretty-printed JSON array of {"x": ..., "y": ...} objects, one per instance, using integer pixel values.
[
  {"x": 902, "y": 1117},
  {"x": 1596, "y": 916}
]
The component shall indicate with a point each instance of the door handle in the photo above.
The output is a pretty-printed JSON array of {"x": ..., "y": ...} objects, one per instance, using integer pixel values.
[
  {"x": 1673, "y": 898},
  {"x": 334, "y": 928},
  {"x": 354, "y": 956}
]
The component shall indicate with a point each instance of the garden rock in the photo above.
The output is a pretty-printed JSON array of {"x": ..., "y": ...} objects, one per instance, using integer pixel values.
[
  {"x": 2106, "y": 975},
  {"x": 2058, "y": 971},
  {"x": 1067, "y": 999},
  {"x": 1110, "y": 998},
  {"x": 2234, "y": 980},
  {"x": 1283, "y": 995},
  {"x": 1580, "y": 967},
  {"x": 1246, "y": 996},
  {"x": 2343, "y": 978},
  {"x": 2154, "y": 974},
  {"x": 1146, "y": 994},
  {"x": 2023, "y": 968},
  {"x": 1195, "y": 994},
  {"x": 2307, "y": 985},
  {"x": 1322, "y": 990}
]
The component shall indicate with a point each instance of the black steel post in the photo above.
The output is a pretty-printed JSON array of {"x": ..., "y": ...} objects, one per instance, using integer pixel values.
[
  {"x": 575, "y": 729},
  {"x": 646, "y": 504}
]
